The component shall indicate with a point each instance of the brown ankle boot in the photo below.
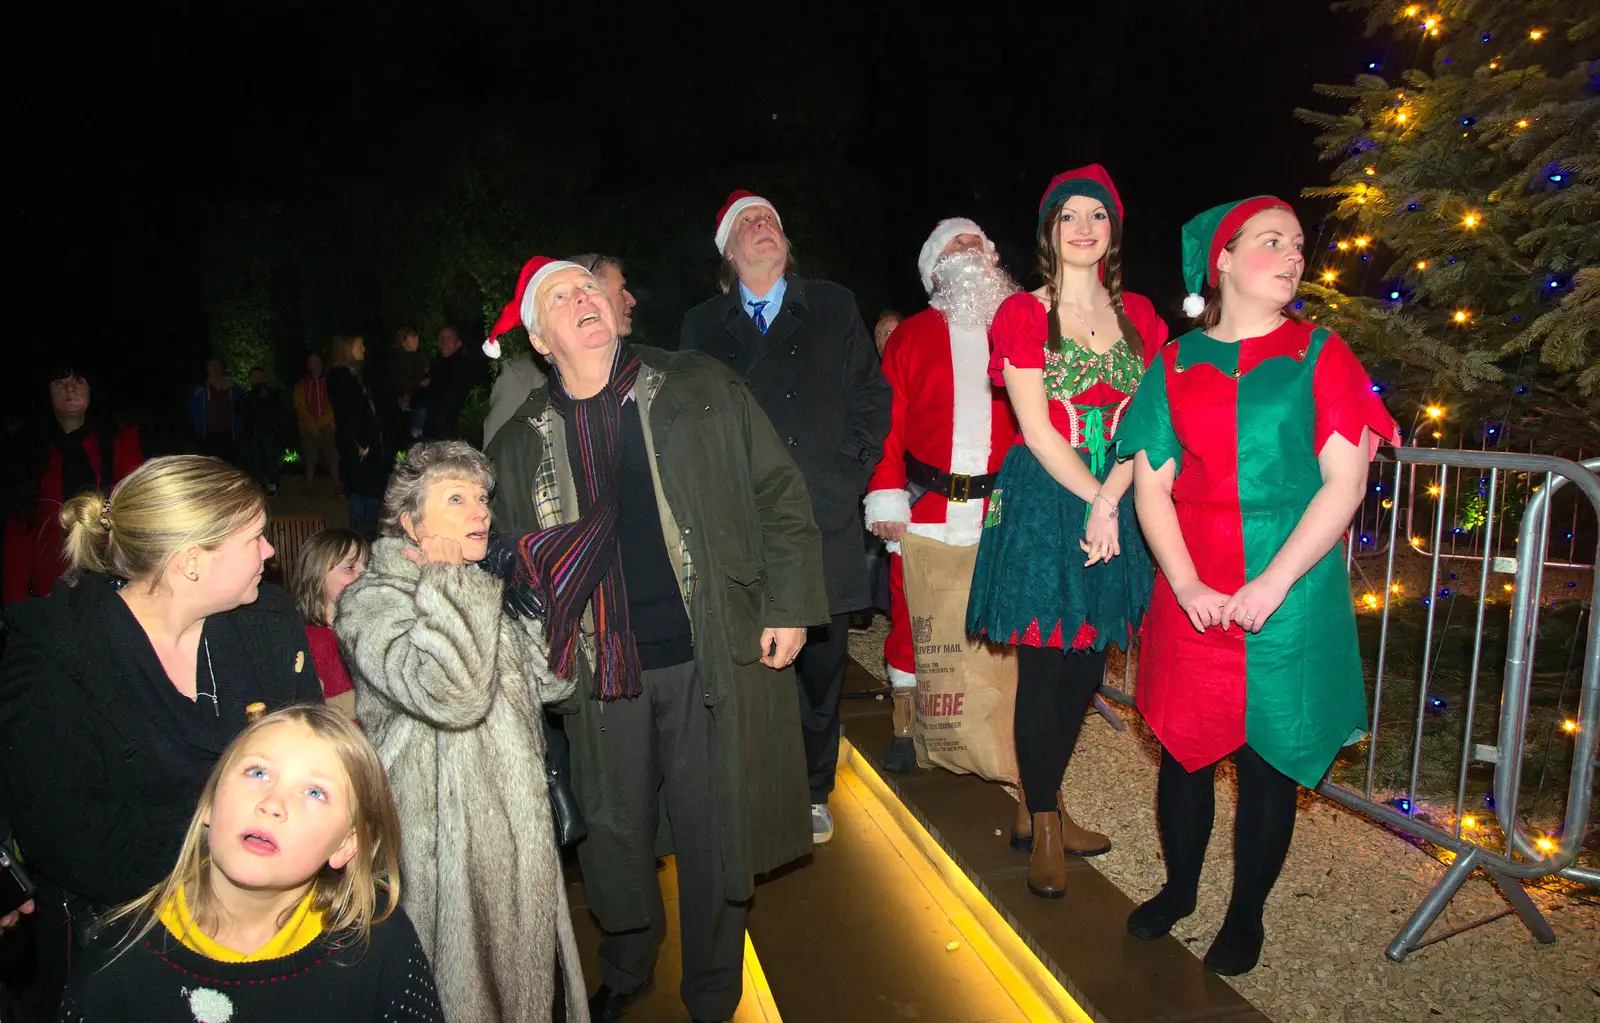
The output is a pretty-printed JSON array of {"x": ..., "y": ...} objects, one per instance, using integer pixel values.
[
  {"x": 1047, "y": 865},
  {"x": 1081, "y": 841},
  {"x": 1022, "y": 826}
]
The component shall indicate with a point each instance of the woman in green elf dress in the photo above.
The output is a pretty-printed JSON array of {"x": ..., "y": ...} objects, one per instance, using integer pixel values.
[
  {"x": 1251, "y": 436},
  {"x": 1061, "y": 570}
]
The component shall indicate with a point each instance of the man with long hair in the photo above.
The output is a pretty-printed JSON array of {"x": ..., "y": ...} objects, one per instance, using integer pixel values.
[{"x": 805, "y": 353}]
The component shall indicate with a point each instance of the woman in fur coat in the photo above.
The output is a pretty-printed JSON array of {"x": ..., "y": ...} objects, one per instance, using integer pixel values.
[{"x": 451, "y": 689}]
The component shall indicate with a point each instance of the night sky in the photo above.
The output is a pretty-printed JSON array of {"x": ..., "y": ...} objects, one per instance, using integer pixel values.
[{"x": 128, "y": 123}]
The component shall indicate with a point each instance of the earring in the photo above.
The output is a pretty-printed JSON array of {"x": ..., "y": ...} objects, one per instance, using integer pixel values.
[{"x": 194, "y": 577}]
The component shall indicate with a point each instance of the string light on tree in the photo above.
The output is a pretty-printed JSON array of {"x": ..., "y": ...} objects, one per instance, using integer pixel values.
[{"x": 1446, "y": 106}]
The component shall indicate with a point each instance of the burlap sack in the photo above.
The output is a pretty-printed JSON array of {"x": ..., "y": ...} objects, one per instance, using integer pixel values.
[{"x": 966, "y": 688}]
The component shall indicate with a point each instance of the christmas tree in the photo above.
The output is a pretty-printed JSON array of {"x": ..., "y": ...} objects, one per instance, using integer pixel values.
[{"x": 1462, "y": 256}]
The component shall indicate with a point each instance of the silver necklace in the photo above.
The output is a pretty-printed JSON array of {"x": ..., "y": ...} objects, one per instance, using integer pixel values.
[
  {"x": 1081, "y": 320},
  {"x": 212, "y": 696}
]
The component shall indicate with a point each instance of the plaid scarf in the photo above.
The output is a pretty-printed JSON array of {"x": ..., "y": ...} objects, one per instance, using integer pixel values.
[{"x": 572, "y": 563}]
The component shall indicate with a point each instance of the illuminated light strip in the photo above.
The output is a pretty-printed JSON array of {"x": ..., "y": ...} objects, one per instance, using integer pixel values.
[
  {"x": 1019, "y": 972},
  {"x": 757, "y": 1004}
]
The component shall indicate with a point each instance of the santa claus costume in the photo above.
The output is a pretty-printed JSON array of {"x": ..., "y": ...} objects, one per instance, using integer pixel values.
[
  {"x": 949, "y": 433},
  {"x": 1232, "y": 435}
]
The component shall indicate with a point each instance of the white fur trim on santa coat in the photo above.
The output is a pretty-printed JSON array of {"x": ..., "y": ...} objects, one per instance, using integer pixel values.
[
  {"x": 887, "y": 506},
  {"x": 942, "y": 235},
  {"x": 969, "y": 449},
  {"x": 725, "y": 226},
  {"x": 901, "y": 679},
  {"x": 970, "y": 429}
]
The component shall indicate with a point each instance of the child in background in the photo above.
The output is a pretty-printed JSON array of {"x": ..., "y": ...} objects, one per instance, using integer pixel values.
[
  {"x": 326, "y": 564},
  {"x": 272, "y": 911}
]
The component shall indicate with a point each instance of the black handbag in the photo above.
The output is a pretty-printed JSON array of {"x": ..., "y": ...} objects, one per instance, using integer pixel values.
[{"x": 570, "y": 828}]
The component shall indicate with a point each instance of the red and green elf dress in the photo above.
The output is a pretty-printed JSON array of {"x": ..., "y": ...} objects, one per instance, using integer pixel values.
[{"x": 1244, "y": 422}]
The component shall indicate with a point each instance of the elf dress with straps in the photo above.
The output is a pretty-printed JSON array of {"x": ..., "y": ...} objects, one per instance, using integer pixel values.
[
  {"x": 1244, "y": 423},
  {"x": 1030, "y": 586}
]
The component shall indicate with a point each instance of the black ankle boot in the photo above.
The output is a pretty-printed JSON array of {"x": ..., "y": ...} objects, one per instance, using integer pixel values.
[
  {"x": 1237, "y": 946},
  {"x": 1155, "y": 918}
]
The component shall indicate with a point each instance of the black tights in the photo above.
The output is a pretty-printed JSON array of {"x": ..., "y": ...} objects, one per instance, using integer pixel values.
[
  {"x": 1263, "y": 825},
  {"x": 1054, "y": 688}
]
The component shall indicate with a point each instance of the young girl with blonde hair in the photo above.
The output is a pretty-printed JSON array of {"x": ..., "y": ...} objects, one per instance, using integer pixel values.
[{"x": 284, "y": 902}]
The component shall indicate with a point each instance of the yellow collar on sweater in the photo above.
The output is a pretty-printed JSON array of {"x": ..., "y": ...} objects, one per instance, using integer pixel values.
[{"x": 305, "y": 926}]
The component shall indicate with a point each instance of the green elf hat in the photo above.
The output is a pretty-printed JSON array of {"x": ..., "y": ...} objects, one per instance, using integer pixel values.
[
  {"x": 1092, "y": 181},
  {"x": 1204, "y": 238}
]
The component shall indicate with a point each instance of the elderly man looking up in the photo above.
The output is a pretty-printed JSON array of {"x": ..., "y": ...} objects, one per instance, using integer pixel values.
[
  {"x": 668, "y": 535},
  {"x": 804, "y": 351},
  {"x": 520, "y": 376}
]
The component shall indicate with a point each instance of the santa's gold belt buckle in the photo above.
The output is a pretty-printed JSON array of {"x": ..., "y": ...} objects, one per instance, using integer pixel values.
[{"x": 960, "y": 487}]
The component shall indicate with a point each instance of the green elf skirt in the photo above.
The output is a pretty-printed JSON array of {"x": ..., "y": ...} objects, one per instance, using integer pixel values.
[{"x": 1031, "y": 587}]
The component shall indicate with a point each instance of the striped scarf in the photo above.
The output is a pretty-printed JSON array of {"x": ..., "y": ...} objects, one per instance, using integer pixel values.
[{"x": 572, "y": 563}]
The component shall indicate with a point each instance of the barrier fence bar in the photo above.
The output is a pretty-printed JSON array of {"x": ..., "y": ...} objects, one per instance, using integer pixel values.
[{"x": 1467, "y": 848}]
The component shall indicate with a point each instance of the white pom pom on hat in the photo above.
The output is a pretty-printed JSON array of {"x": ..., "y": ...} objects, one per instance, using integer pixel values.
[
  {"x": 1193, "y": 306},
  {"x": 520, "y": 308}
]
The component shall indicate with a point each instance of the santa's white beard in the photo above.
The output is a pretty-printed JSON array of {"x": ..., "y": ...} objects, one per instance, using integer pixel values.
[{"x": 968, "y": 287}]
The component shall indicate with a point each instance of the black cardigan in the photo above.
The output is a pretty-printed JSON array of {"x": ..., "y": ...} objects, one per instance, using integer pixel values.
[
  {"x": 158, "y": 980},
  {"x": 100, "y": 767}
]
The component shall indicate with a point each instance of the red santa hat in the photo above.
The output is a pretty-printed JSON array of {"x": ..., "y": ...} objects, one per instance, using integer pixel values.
[
  {"x": 738, "y": 201},
  {"x": 943, "y": 234},
  {"x": 520, "y": 309}
]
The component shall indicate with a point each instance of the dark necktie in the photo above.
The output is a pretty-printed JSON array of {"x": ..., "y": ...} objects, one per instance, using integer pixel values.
[{"x": 761, "y": 321}]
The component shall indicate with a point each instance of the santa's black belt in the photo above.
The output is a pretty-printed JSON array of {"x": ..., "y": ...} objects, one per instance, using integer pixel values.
[{"x": 953, "y": 486}]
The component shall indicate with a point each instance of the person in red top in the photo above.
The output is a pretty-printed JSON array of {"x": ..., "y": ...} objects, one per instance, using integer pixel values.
[
  {"x": 1062, "y": 569},
  {"x": 950, "y": 429},
  {"x": 1250, "y": 440},
  {"x": 71, "y": 453},
  {"x": 326, "y": 564}
]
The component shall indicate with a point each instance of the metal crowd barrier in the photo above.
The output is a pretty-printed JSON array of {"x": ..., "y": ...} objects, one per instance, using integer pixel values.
[{"x": 1517, "y": 856}]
